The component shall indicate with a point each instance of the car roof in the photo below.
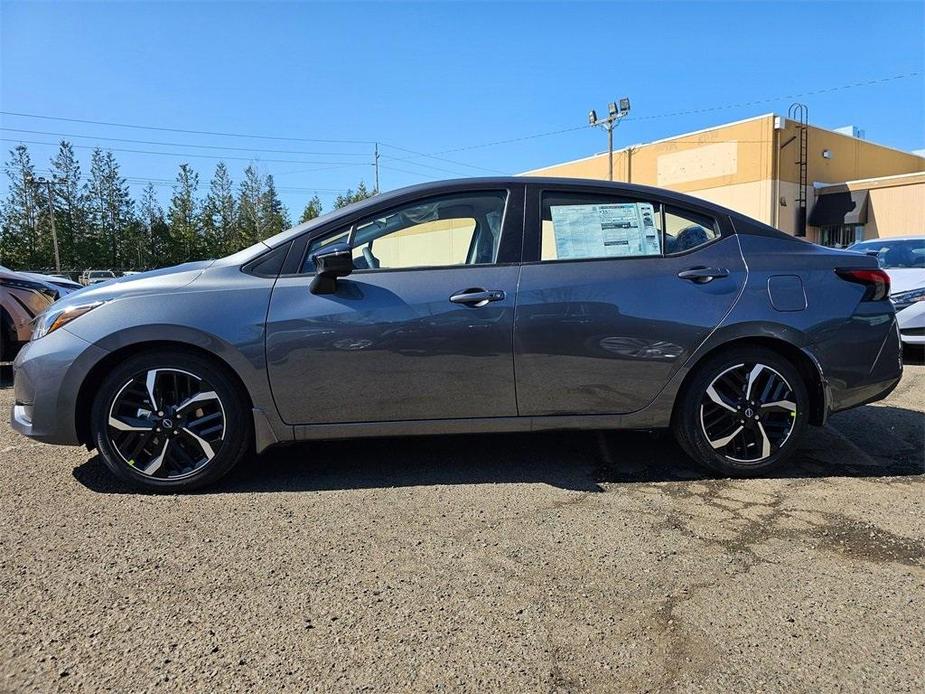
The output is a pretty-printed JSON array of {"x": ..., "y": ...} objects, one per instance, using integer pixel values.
[{"x": 462, "y": 184}]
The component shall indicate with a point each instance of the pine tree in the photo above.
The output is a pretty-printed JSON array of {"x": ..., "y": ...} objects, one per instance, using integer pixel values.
[
  {"x": 352, "y": 196},
  {"x": 69, "y": 203},
  {"x": 183, "y": 217},
  {"x": 312, "y": 209},
  {"x": 272, "y": 212},
  {"x": 218, "y": 214},
  {"x": 20, "y": 212},
  {"x": 110, "y": 211},
  {"x": 250, "y": 219},
  {"x": 157, "y": 233}
]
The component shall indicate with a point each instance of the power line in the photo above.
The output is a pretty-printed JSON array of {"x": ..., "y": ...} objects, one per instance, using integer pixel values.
[
  {"x": 405, "y": 171},
  {"x": 223, "y": 134},
  {"x": 437, "y": 158},
  {"x": 183, "y": 155},
  {"x": 186, "y": 144},
  {"x": 183, "y": 130},
  {"x": 436, "y": 155},
  {"x": 674, "y": 114},
  {"x": 853, "y": 85}
]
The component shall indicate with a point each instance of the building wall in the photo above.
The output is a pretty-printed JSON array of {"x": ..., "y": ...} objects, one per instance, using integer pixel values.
[
  {"x": 730, "y": 165},
  {"x": 735, "y": 165},
  {"x": 895, "y": 204}
]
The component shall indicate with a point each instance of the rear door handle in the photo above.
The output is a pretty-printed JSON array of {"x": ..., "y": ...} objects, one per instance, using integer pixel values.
[
  {"x": 702, "y": 275},
  {"x": 477, "y": 297}
]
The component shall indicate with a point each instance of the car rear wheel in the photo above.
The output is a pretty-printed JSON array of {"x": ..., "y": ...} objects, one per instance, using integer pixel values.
[
  {"x": 170, "y": 421},
  {"x": 743, "y": 412}
]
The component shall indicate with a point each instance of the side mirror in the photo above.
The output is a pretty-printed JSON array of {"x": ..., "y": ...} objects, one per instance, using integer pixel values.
[{"x": 329, "y": 265}]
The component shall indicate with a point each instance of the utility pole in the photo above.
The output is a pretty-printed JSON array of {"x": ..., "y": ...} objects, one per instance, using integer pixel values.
[
  {"x": 376, "y": 165},
  {"x": 48, "y": 183},
  {"x": 616, "y": 111}
]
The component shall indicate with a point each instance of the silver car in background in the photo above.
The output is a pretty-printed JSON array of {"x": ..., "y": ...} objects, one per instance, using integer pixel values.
[
  {"x": 478, "y": 305},
  {"x": 24, "y": 295}
]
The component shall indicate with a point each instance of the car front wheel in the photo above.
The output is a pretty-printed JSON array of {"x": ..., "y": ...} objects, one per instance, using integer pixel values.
[
  {"x": 170, "y": 421},
  {"x": 743, "y": 412}
]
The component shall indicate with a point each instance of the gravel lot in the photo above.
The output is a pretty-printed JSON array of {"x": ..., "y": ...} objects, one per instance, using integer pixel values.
[{"x": 555, "y": 562}]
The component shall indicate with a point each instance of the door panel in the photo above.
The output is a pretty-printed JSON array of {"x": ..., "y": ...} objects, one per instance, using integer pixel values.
[
  {"x": 604, "y": 336},
  {"x": 390, "y": 345}
]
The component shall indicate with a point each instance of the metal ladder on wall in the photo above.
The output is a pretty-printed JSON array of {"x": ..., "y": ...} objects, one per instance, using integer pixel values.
[{"x": 799, "y": 113}]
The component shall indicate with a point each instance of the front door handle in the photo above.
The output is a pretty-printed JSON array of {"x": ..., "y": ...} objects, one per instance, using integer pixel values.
[
  {"x": 477, "y": 297},
  {"x": 702, "y": 275}
]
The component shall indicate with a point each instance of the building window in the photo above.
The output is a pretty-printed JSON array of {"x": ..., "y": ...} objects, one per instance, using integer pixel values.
[{"x": 841, "y": 235}]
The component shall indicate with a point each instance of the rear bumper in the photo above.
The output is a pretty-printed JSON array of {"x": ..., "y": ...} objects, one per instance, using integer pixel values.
[
  {"x": 47, "y": 376},
  {"x": 849, "y": 388}
]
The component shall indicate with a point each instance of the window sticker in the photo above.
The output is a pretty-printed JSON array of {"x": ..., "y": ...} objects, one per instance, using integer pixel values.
[{"x": 604, "y": 231}]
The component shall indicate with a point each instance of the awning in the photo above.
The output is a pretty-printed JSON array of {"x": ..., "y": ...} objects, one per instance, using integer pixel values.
[{"x": 844, "y": 207}]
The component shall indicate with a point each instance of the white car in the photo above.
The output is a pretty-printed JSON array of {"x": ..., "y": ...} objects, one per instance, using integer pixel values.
[
  {"x": 96, "y": 276},
  {"x": 903, "y": 258}
]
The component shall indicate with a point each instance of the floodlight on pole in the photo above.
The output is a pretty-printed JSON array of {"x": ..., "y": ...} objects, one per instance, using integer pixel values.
[{"x": 616, "y": 111}]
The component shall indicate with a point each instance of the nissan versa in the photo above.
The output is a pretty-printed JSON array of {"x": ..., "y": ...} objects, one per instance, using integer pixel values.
[{"x": 480, "y": 305}]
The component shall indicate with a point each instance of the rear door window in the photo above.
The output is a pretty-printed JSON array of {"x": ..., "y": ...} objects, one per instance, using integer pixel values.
[{"x": 578, "y": 226}]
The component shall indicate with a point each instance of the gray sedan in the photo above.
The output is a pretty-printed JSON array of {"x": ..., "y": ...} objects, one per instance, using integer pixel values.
[{"x": 480, "y": 305}]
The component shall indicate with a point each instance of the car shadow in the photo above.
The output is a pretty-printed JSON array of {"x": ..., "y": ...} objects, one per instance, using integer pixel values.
[{"x": 584, "y": 461}]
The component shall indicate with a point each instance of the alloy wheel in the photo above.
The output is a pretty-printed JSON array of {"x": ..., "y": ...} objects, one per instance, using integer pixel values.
[
  {"x": 166, "y": 423},
  {"x": 748, "y": 412}
]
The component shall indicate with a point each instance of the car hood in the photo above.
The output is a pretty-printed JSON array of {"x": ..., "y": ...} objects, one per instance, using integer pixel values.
[
  {"x": 165, "y": 280},
  {"x": 904, "y": 279}
]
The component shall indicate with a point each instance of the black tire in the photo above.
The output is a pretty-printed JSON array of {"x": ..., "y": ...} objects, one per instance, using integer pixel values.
[
  {"x": 7, "y": 343},
  {"x": 698, "y": 412},
  {"x": 200, "y": 470}
]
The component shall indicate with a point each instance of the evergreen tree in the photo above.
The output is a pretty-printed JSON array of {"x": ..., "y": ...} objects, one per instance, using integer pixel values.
[
  {"x": 70, "y": 212},
  {"x": 272, "y": 212},
  {"x": 250, "y": 205},
  {"x": 218, "y": 214},
  {"x": 156, "y": 231},
  {"x": 183, "y": 217},
  {"x": 20, "y": 212},
  {"x": 109, "y": 211},
  {"x": 352, "y": 196},
  {"x": 312, "y": 209}
]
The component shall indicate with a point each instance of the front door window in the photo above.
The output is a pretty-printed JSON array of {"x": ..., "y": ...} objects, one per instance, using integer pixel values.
[{"x": 462, "y": 229}]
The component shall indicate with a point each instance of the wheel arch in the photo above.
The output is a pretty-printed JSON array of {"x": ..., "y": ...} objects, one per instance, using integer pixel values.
[
  {"x": 801, "y": 359},
  {"x": 97, "y": 373}
]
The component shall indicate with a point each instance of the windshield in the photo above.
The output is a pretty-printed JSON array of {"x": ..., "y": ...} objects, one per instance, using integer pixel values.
[{"x": 903, "y": 253}]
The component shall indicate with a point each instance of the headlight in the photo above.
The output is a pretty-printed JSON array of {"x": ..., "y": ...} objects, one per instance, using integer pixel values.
[
  {"x": 51, "y": 320},
  {"x": 903, "y": 299}
]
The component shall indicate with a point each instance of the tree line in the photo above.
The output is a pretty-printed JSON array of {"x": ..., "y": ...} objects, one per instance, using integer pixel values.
[{"x": 98, "y": 224}]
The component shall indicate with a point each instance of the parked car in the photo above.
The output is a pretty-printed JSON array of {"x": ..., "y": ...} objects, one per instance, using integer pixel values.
[
  {"x": 480, "y": 305},
  {"x": 903, "y": 258},
  {"x": 60, "y": 281},
  {"x": 96, "y": 276},
  {"x": 24, "y": 295}
]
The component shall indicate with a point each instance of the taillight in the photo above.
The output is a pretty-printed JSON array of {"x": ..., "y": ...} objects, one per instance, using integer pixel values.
[{"x": 875, "y": 280}]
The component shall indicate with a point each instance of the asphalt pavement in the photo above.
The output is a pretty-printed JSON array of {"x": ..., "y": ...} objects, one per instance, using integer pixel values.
[{"x": 526, "y": 563}]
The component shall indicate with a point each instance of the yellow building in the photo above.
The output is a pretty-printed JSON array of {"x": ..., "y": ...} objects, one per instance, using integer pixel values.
[{"x": 754, "y": 166}]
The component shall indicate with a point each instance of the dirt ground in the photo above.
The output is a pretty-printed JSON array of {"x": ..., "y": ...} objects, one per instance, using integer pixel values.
[{"x": 543, "y": 563}]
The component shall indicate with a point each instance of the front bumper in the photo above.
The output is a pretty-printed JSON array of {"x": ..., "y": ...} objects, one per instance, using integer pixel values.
[
  {"x": 47, "y": 376},
  {"x": 911, "y": 320}
]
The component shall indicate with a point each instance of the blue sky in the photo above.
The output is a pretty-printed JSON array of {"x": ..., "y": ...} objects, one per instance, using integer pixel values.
[{"x": 438, "y": 78}]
